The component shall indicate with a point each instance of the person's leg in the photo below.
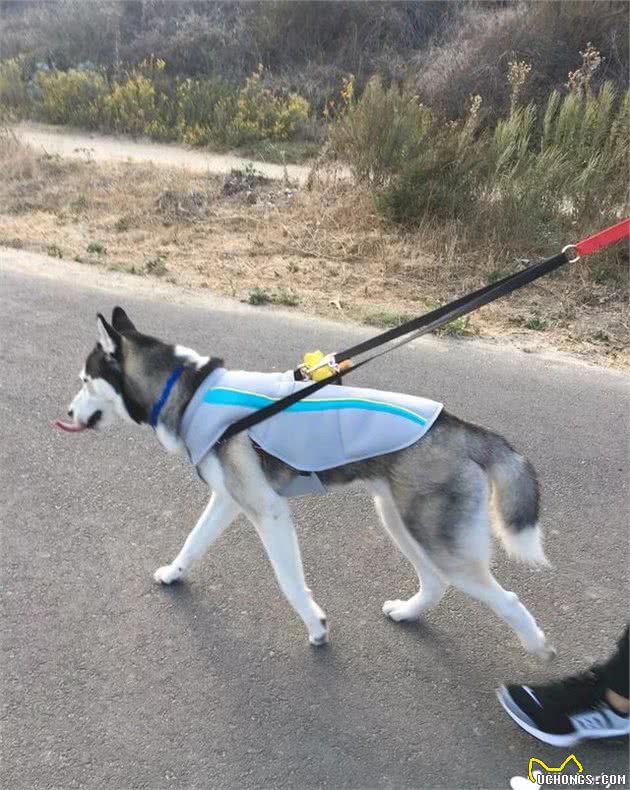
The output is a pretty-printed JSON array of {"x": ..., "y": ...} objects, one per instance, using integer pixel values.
[
  {"x": 616, "y": 674},
  {"x": 593, "y": 704}
]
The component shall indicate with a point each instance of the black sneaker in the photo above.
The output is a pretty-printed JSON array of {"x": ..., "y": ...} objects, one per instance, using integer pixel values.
[{"x": 565, "y": 712}]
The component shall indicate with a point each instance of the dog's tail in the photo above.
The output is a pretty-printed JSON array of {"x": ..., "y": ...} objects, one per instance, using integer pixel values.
[{"x": 514, "y": 498}]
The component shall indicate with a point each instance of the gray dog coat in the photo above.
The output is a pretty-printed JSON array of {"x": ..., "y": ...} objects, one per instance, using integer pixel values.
[{"x": 334, "y": 426}]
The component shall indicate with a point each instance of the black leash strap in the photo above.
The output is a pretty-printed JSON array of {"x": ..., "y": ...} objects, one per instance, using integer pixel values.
[
  {"x": 419, "y": 326},
  {"x": 459, "y": 307}
]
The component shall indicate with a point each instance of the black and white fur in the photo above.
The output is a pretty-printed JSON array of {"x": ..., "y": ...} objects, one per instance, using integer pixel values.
[{"x": 439, "y": 500}]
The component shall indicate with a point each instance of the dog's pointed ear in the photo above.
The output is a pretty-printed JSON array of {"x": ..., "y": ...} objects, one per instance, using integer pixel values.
[
  {"x": 108, "y": 338},
  {"x": 121, "y": 321}
]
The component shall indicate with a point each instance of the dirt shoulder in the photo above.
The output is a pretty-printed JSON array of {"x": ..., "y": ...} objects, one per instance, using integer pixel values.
[
  {"x": 321, "y": 250},
  {"x": 86, "y": 146}
]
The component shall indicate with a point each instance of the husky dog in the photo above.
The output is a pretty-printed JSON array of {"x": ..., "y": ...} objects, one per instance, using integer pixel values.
[{"x": 439, "y": 499}]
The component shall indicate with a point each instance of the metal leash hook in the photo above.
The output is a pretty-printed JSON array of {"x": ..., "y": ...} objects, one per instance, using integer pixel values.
[
  {"x": 574, "y": 251},
  {"x": 318, "y": 366}
]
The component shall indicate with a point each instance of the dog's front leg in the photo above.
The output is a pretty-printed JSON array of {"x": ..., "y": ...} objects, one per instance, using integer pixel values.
[
  {"x": 245, "y": 480},
  {"x": 277, "y": 533},
  {"x": 217, "y": 516}
]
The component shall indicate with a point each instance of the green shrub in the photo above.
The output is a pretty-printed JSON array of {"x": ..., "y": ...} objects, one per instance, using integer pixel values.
[
  {"x": 147, "y": 100},
  {"x": 543, "y": 175},
  {"x": 562, "y": 175},
  {"x": 443, "y": 176},
  {"x": 379, "y": 134},
  {"x": 131, "y": 107},
  {"x": 71, "y": 97},
  {"x": 135, "y": 107},
  {"x": 204, "y": 107},
  {"x": 261, "y": 115},
  {"x": 14, "y": 98}
]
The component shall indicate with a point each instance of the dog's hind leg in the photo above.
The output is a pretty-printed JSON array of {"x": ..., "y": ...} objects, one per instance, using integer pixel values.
[
  {"x": 432, "y": 583},
  {"x": 476, "y": 579},
  {"x": 218, "y": 515}
]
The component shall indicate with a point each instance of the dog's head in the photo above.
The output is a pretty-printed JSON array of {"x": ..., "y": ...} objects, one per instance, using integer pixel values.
[
  {"x": 104, "y": 394},
  {"x": 125, "y": 374}
]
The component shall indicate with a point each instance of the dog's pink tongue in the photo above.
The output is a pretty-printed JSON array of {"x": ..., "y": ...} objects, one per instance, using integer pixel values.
[{"x": 71, "y": 427}]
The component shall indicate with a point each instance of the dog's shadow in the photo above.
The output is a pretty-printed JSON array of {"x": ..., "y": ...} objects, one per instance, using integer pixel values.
[
  {"x": 318, "y": 667},
  {"x": 279, "y": 694}
]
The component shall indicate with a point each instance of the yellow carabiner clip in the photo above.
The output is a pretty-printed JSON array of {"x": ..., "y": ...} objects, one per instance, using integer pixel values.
[{"x": 311, "y": 360}]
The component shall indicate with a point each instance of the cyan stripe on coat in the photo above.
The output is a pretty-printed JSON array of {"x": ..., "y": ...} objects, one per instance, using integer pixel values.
[{"x": 250, "y": 400}]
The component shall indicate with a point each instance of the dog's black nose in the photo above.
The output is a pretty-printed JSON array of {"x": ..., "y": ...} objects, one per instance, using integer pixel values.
[
  {"x": 70, "y": 412},
  {"x": 91, "y": 423}
]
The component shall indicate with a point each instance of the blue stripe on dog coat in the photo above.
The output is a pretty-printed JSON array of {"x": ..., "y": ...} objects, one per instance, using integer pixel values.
[{"x": 335, "y": 426}]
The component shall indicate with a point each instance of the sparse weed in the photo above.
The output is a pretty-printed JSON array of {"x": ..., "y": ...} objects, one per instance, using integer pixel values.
[
  {"x": 54, "y": 251},
  {"x": 243, "y": 180},
  {"x": 501, "y": 271},
  {"x": 259, "y": 296},
  {"x": 609, "y": 271},
  {"x": 536, "y": 323},
  {"x": 80, "y": 204},
  {"x": 601, "y": 336},
  {"x": 96, "y": 247},
  {"x": 156, "y": 266},
  {"x": 386, "y": 319},
  {"x": 455, "y": 328},
  {"x": 284, "y": 152},
  {"x": 285, "y": 298}
]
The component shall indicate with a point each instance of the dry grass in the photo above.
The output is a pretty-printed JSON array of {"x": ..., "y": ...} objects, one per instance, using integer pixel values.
[
  {"x": 325, "y": 248},
  {"x": 19, "y": 161}
]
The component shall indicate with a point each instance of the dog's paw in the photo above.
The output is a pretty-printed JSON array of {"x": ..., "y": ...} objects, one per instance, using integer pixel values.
[
  {"x": 168, "y": 574},
  {"x": 545, "y": 653},
  {"x": 318, "y": 634},
  {"x": 540, "y": 648},
  {"x": 399, "y": 611},
  {"x": 319, "y": 638}
]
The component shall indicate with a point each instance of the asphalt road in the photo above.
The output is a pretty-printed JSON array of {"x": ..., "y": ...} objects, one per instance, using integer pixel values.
[{"x": 110, "y": 682}]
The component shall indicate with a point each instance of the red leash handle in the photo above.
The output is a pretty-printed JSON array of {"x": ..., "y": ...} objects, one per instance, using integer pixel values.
[{"x": 603, "y": 238}]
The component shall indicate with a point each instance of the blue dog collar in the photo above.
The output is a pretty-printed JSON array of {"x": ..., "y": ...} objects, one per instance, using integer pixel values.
[{"x": 160, "y": 402}]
